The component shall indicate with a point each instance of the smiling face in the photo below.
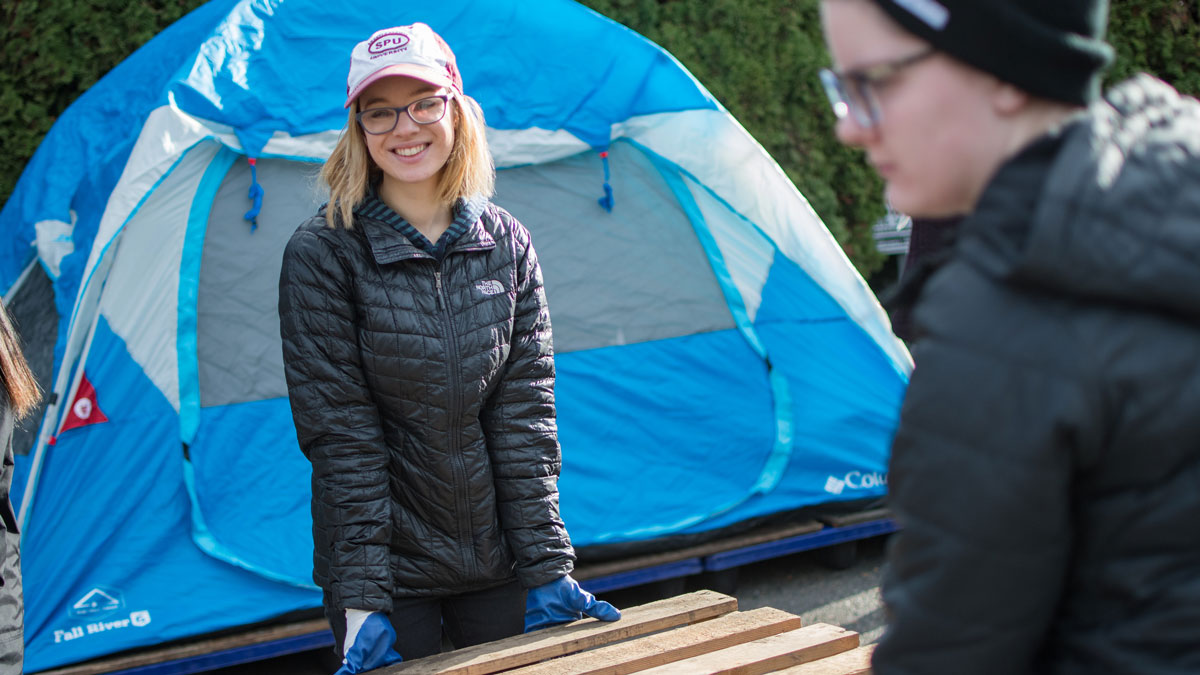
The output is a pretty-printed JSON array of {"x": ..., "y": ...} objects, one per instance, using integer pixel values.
[
  {"x": 940, "y": 136},
  {"x": 411, "y": 155}
]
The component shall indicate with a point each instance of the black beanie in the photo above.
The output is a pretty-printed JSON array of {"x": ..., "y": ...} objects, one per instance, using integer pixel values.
[{"x": 1053, "y": 49}]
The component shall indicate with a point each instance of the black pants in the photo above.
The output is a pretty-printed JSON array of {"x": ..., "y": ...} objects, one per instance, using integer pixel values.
[{"x": 467, "y": 619}]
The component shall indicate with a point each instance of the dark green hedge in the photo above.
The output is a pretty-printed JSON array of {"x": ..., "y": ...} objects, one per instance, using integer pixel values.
[
  {"x": 1157, "y": 36},
  {"x": 758, "y": 57},
  {"x": 53, "y": 50}
]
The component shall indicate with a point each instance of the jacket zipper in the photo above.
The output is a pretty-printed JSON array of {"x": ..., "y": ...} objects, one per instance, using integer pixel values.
[{"x": 456, "y": 458}]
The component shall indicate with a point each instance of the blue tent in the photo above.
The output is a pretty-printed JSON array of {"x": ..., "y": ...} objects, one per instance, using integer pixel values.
[{"x": 719, "y": 359}]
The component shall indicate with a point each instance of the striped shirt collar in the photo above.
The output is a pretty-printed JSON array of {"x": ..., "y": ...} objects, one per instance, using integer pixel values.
[{"x": 466, "y": 212}]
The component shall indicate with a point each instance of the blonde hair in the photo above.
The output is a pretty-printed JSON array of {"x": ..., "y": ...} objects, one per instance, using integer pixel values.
[
  {"x": 468, "y": 171},
  {"x": 20, "y": 386}
]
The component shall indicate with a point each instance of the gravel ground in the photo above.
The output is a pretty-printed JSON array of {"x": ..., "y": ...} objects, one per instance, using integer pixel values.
[{"x": 802, "y": 584}]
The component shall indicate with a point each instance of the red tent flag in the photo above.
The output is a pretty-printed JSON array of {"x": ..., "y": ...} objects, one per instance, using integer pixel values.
[{"x": 84, "y": 409}]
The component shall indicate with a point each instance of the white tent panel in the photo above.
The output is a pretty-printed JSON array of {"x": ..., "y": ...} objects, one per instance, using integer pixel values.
[
  {"x": 760, "y": 191},
  {"x": 748, "y": 254},
  {"x": 141, "y": 295},
  {"x": 312, "y": 146},
  {"x": 518, "y": 147},
  {"x": 510, "y": 147}
]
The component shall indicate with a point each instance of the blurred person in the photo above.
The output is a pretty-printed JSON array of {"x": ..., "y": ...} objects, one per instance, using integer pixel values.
[
  {"x": 1046, "y": 469},
  {"x": 417, "y": 350},
  {"x": 20, "y": 396}
]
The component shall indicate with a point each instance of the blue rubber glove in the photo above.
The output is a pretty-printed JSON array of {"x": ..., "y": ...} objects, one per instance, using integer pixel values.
[
  {"x": 561, "y": 601},
  {"x": 368, "y": 644}
]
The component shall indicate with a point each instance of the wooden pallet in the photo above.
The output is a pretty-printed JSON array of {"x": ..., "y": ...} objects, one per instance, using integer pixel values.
[
  {"x": 262, "y": 642},
  {"x": 199, "y": 648},
  {"x": 695, "y": 634},
  {"x": 587, "y": 571},
  {"x": 855, "y": 518}
]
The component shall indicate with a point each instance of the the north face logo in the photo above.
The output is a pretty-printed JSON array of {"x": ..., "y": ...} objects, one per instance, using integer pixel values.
[{"x": 490, "y": 287}]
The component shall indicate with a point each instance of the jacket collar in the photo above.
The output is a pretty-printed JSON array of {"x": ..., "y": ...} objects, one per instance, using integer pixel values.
[
  {"x": 936, "y": 241},
  {"x": 388, "y": 245}
]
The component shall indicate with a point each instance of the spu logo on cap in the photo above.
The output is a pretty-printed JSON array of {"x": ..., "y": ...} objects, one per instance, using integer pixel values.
[{"x": 387, "y": 43}]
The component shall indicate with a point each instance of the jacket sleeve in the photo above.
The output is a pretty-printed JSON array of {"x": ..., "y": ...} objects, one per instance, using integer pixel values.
[
  {"x": 980, "y": 483},
  {"x": 337, "y": 424},
  {"x": 522, "y": 436}
]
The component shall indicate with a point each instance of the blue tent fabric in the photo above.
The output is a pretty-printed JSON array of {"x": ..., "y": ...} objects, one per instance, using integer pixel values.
[
  {"x": 583, "y": 80},
  {"x": 242, "y": 75},
  {"x": 81, "y": 147},
  {"x": 162, "y": 586},
  {"x": 632, "y": 423},
  {"x": 78, "y": 163},
  {"x": 255, "y": 441},
  {"x": 183, "y": 514}
]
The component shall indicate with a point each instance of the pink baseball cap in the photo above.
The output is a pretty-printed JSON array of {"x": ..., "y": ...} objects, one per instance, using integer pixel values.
[{"x": 415, "y": 51}]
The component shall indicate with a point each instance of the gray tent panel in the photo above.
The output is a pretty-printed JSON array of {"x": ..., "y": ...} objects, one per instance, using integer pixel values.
[
  {"x": 35, "y": 319},
  {"x": 633, "y": 275},
  {"x": 237, "y": 339}
]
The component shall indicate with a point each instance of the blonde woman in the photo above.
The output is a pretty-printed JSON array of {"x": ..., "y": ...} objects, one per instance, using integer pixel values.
[{"x": 419, "y": 364}]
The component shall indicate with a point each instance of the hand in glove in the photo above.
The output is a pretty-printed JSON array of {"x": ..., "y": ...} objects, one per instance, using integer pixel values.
[
  {"x": 368, "y": 644},
  {"x": 561, "y": 601}
]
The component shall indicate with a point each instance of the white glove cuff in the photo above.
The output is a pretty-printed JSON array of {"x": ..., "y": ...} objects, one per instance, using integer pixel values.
[{"x": 354, "y": 623}]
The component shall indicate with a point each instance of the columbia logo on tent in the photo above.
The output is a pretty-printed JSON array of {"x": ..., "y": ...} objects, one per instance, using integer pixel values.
[
  {"x": 96, "y": 601},
  {"x": 835, "y": 485},
  {"x": 490, "y": 287},
  {"x": 856, "y": 480},
  {"x": 84, "y": 409}
]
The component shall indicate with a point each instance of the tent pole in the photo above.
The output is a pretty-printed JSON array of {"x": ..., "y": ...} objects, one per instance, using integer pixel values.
[
  {"x": 12, "y": 290},
  {"x": 50, "y": 425}
]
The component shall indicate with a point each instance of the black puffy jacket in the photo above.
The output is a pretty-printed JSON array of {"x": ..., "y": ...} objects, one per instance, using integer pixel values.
[
  {"x": 1046, "y": 471},
  {"x": 423, "y": 395}
]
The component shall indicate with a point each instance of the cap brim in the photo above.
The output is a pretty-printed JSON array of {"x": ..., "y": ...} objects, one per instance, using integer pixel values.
[{"x": 417, "y": 72}]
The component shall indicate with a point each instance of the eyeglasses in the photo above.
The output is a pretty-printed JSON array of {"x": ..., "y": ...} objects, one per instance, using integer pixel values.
[
  {"x": 427, "y": 110},
  {"x": 853, "y": 92}
]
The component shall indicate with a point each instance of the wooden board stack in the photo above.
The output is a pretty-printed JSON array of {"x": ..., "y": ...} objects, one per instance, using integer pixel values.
[{"x": 695, "y": 634}]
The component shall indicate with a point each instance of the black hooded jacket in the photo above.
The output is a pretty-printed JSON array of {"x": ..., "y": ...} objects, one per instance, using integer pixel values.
[
  {"x": 423, "y": 394},
  {"x": 1046, "y": 472}
]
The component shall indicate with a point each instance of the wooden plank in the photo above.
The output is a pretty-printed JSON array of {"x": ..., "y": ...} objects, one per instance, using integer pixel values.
[
  {"x": 853, "y": 662},
  {"x": 191, "y": 649},
  {"x": 635, "y": 655},
  {"x": 522, "y": 650},
  {"x": 767, "y": 655},
  {"x": 844, "y": 519},
  {"x": 751, "y": 538}
]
